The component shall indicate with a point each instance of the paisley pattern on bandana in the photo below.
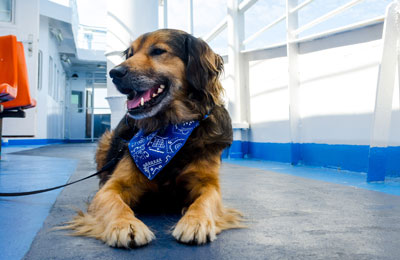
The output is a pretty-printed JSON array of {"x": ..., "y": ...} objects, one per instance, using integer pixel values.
[{"x": 152, "y": 152}]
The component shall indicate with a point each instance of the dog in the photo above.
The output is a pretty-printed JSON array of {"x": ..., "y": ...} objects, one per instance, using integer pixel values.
[{"x": 170, "y": 78}]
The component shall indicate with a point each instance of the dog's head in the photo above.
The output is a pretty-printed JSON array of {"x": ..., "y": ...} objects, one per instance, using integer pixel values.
[{"x": 169, "y": 75}]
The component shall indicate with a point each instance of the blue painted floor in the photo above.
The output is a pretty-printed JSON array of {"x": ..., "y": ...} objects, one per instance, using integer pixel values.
[
  {"x": 294, "y": 212},
  {"x": 353, "y": 179},
  {"x": 22, "y": 217}
]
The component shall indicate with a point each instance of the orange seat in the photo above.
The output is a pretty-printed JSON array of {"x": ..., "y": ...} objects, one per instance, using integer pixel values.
[
  {"x": 8, "y": 68},
  {"x": 23, "y": 98}
]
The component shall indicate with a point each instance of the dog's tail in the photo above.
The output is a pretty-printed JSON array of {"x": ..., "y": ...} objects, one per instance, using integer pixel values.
[
  {"x": 83, "y": 224},
  {"x": 229, "y": 218}
]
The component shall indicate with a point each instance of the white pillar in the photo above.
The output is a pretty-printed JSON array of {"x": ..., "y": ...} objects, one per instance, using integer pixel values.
[
  {"x": 236, "y": 71},
  {"x": 293, "y": 80},
  {"x": 126, "y": 20},
  {"x": 384, "y": 95}
]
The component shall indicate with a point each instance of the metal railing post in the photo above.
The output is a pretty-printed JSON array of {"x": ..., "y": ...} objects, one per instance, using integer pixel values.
[
  {"x": 293, "y": 80},
  {"x": 236, "y": 73},
  {"x": 190, "y": 19},
  {"x": 384, "y": 96},
  {"x": 165, "y": 13}
]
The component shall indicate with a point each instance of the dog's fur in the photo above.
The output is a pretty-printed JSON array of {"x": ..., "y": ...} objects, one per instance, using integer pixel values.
[{"x": 190, "y": 71}]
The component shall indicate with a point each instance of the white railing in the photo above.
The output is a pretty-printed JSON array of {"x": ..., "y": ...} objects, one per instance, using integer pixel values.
[
  {"x": 258, "y": 33},
  {"x": 91, "y": 37},
  {"x": 216, "y": 31},
  {"x": 247, "y": 4},
  {"x": 236, "y": 67}
]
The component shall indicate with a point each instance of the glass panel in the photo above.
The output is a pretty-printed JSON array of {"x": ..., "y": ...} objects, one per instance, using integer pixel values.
[
  {"x": 76, "y": 100},
  {"x": 5, "y": 11},
  {"x": 101, "y": 121}
]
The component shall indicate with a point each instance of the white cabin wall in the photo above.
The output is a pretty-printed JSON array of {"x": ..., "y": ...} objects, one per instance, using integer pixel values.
[
  {"x": 269, "y": 101},
  {"x": 50, "y": 109},
  {"x": 337, "y": 93}
]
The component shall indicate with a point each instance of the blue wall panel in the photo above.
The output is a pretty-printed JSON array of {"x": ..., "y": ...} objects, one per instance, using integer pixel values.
[
  {"x": 280, "y": 152},
  {"x": 393, "y": 161},
  {"x": 345, "y": 157}
]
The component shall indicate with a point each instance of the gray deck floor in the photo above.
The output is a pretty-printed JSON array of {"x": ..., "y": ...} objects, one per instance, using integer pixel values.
[{"x": 288, "y": 217}]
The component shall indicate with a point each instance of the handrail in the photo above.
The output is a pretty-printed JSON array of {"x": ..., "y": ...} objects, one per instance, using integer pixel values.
[
  {"x": 258, "y": 33},
  {"x": 254, "y": 36},
  {"x": 113, "y": 53},
  {"x": 246, "y": 4},
  {"x": 341, "y": 29},
  {"x": 327, "y": 16},
  {"x": 372, "y": 21},
  {"x": 301, "y": 6},
  {"x": 217, "y": 30}
]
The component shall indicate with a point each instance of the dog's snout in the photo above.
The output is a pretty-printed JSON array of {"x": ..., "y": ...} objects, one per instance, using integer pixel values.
[{"x": 118, "y": 72}]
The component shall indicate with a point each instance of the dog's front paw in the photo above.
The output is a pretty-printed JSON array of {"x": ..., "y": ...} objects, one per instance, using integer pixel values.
[
  {"x": 128, "y": 233},
  {"x": 195, "y": 229}
]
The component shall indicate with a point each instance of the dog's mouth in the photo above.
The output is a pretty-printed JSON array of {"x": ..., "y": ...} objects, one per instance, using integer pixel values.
[{"x": 140, "y": 102}]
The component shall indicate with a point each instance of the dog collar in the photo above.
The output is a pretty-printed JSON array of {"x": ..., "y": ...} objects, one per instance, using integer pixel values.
[{"x": 152, "y": 152}]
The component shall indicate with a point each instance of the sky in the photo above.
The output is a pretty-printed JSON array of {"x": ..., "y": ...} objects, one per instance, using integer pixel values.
[{"x": 208, "y": 13}]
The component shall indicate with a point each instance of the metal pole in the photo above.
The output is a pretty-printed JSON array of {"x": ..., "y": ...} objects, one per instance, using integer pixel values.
[
  {"x": 92, "y": 108},
  {"x": 165, "y": 13},
  {"x": 293, "y": 80},
  {"x": 191, "y": 17}
]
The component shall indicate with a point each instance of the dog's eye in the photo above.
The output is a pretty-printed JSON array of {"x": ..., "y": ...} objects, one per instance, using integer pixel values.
[
  {"x": 128, "y": 53},
  {"x": 157, "y": 51}
]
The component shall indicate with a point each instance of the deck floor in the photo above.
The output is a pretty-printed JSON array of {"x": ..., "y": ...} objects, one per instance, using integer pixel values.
[{"x": 289, "y": 216}]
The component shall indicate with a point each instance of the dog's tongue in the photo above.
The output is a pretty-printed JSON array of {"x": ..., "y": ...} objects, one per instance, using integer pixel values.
[{"x": 135, "y": 102}]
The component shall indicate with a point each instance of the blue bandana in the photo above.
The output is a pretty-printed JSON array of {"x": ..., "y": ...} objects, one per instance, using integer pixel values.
[{"x": 154, "y": 151}]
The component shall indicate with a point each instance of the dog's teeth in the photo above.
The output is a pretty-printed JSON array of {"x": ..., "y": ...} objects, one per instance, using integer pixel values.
[
  {"x": 142, "y": 101},
  {"x": 162, "y": 86},
  {"x": 154, "y": 94},
  {"x": 160, "y": 90}
]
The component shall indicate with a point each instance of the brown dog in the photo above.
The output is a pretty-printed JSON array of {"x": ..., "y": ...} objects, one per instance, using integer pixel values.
[{"x": 169, "y": 77}]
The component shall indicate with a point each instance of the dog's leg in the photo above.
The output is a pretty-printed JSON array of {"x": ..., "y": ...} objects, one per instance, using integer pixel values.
[
  {"x": 110, "y": 217},
  {"x": 206, "y": 216},
  {"x": 102, "y": 149}
]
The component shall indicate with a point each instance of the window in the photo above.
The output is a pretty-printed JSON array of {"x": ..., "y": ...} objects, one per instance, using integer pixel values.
[
  {"x": 6, "y": 11},
  {"x": 57, "y": 94},
  {"x": 51, "y": 69},
  {"x": 76, "y": 100},
  {"x": 40, "y": 70}
]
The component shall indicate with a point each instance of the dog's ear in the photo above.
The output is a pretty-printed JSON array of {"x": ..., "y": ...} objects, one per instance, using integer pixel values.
[{"x": 203, "y": 68}]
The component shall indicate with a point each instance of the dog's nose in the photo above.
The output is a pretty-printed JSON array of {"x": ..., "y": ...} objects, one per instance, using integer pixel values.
[{"x": 118, "y": 72}]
